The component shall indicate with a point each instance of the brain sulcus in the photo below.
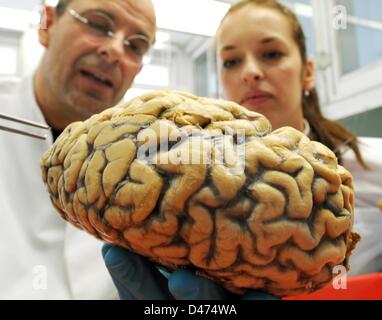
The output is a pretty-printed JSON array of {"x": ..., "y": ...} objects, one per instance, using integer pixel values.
[{"x": 206, "y": 184}]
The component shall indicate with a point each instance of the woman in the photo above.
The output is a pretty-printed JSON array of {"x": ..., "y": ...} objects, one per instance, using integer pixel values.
[{"x": 263, "y": 66}]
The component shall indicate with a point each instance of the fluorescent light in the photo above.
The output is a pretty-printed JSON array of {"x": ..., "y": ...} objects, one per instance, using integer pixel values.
[{"x": 201, "y": 17}]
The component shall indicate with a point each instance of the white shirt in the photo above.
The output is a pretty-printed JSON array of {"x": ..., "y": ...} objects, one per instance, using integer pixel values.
[
  {"x": 367, "y": 257},
  {"x": 41, "y": 256}
]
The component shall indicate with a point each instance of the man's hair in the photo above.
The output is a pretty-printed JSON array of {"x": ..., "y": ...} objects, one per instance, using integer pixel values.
[{"x": 61, "y": 7}]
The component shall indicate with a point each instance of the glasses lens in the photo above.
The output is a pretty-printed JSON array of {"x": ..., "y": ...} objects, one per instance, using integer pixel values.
[
  {"x": 99, "y": 23},
  {"x": 138, "y": 45}
]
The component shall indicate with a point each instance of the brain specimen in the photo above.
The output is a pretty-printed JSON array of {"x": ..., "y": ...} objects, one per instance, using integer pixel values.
[{"x": 205, "y": 184}]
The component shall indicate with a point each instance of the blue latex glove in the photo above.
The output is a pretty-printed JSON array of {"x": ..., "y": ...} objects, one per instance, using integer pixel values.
[{"x": 137, "y": 278}]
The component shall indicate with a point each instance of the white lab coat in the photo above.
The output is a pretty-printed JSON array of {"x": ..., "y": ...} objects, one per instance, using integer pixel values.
[
  {"x": 367, "y": 257},
  {"x": 41, "y": 256}
]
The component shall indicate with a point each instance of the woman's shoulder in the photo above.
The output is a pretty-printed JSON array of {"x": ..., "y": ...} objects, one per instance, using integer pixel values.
[
  {"x": 371, "y": 150},
  {"x": 367, "y": 182}
]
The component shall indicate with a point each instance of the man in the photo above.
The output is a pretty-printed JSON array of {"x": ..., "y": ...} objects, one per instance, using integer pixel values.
[
  {"x": 94, "y": 49},
  {"x": 84, "y": 70}
]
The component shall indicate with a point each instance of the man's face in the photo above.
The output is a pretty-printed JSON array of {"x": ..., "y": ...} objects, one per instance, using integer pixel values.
[{"x": 86, "y": 71}]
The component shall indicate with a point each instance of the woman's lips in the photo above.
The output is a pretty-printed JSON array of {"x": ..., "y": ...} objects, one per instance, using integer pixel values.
[{"x": 256, "y": 99}]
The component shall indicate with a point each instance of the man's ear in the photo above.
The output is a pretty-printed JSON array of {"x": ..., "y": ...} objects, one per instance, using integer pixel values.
[
  {"x": 308, "y": 82},
  {"x": 47, "y": 18}
]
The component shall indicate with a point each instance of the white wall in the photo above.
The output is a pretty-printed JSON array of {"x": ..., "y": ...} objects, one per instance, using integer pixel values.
[{"x": 30, "y": 51}]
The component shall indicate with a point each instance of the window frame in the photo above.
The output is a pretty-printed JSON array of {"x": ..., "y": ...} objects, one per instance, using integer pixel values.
[
  {"x": 349, "y": 94},
  {"x": 12, "y": 39}
]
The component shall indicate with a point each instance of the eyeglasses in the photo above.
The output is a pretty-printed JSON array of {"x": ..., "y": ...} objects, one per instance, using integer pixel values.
[{"x": 101, "y": 26}]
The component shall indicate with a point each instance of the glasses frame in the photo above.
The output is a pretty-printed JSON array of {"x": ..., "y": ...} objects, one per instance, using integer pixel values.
[{"x": 111, "y": 34}]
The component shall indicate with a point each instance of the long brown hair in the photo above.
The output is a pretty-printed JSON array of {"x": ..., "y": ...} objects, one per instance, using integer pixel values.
[{"x": 330, "y": 133}]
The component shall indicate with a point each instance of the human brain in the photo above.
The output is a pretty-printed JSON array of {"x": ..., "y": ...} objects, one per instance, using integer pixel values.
[{"x": 202, "y": 183}]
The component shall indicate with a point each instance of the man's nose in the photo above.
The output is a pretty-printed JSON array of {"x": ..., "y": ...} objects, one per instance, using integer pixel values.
[
  {"x": 112, "y": 49},
  {"x": 252, "y": 71}
]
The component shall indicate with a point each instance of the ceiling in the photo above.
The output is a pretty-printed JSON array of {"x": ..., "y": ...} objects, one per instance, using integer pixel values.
[
  {"x": 21, "y": 4},
  {"x": 184, "y": 41}
]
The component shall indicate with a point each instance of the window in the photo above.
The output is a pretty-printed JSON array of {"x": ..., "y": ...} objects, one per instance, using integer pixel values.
[
  {"x": 304, "y": 12},
  {"x": 8, "y": 61},
  {"x": 170, "y": 63},
  {"x": 360, "y": 39},
  {"x": 153, "y": 75},
  {"x": 349, "y": 37}
]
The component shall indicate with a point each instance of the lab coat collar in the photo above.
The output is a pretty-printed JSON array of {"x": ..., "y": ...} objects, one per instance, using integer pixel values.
[{"x": 33, "y": 110}]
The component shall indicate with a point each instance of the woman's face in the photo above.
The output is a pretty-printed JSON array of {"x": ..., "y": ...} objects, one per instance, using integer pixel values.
[{"x": 260, "y": 66}]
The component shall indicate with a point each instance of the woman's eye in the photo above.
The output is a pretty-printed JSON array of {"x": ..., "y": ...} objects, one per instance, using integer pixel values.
[
  {"x": 273, "y": 55},
  {"x": 230, "y": 63}
]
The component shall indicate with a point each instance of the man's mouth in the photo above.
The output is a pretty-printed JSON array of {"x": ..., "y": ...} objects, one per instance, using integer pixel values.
[{"x": 99, "y": 79}]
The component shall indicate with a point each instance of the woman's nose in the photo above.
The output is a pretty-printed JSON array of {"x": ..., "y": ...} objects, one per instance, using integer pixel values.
[{"x": 252, "y": 71}]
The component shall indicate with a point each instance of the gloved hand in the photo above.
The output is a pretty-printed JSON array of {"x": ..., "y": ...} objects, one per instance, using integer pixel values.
[{"x": 137, "y": 278}]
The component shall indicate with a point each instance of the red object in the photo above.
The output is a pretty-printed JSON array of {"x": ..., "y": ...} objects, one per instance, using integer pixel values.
[{"x": 365, "y": 287}]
